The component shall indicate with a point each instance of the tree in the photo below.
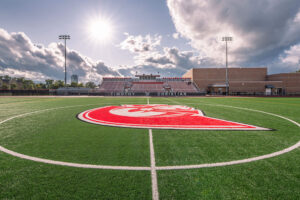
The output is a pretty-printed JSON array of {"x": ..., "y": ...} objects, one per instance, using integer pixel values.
[
  {"x": 6, "y": 78},
  {"x": 40, "y": 86},
  {"x": 80, "y": 85},
  {"x": 4, "y": 87},
  {"x": 49, "y": 83},
  {"x": 13, "y": 86},
  {"x": 90, "y": 84},
  {"x": 74, "y": 84},
  {"x": 57, "y": 84},
  {"x": 28, "y": 85},
  {"x": 20, "y": 79}
]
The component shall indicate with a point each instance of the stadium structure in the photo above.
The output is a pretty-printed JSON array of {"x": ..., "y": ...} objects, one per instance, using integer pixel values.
[
  {"x": 195, "y": 82},
  {"x": 147, "y": 85},
  {"x": 202, "y": 81}
]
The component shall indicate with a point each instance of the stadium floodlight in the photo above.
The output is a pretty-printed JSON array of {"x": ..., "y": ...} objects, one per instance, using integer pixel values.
[
  {"x": 65, "y": 37},
  {"x": 227, "y": 39}
]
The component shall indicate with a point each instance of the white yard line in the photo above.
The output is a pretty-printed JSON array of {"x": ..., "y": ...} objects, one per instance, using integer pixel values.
[
  {"x": 54, "y": 162},
  {"x": 69, "y": 164},
  {"x": 220, "y": 164},
  {"x": 153, "y": 168},
  {"x": 234, "y": 162},
  {"x": 155, "y": 194}
]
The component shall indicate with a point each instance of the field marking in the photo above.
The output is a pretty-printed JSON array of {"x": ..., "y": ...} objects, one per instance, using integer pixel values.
[
  {"x": 205, "y": 165},
  {"x": 155, "y": 194},
  {"x": 54, "y": 162},
  {"x": 247, "y": 160},
  {"x": 85, "y": 116}
]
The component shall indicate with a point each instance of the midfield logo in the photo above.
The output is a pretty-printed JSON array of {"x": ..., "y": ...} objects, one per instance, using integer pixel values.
[{"x": 159, "y": 116}]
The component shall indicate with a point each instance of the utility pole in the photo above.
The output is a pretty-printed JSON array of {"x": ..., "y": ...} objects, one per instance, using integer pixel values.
[
  {"x": 227, "y": 39},
  {"x": 65, "y": 37}
]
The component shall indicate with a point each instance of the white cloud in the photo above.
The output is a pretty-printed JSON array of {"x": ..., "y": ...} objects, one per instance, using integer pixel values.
[
  {"x": 137, "y": 44},
  {"x": 20, "y": 57},
  {"x": 169, "y": 61},
  {"x": 175, "y": 35},
  {"x": 262, "y": 29},
  {"x": 292, "y": 55},
  {"x": 36, "y": 76}
]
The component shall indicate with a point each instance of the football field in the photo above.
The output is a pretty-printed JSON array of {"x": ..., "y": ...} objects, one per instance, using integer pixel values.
[{"x": 46, "y": 152}]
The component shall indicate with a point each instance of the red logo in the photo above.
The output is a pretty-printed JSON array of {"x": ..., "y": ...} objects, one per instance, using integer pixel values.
[{"x": 159, "y": 117}]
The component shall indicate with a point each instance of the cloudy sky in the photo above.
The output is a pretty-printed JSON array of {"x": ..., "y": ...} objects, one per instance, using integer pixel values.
[{"x": 122, "y": 37}]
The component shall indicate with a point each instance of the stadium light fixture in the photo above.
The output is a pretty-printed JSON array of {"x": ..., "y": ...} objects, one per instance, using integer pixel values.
[
  {"x": 227, "y": 39},
  {"x": 65, "y": 37}
]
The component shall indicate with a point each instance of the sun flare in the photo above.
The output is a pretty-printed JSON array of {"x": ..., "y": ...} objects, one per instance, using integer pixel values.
[{"x": 100, "y": 29}]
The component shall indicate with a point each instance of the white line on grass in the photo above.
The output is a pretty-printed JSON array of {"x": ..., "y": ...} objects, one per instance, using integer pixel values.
[
  {"x": 153, "y": 168},
  {"x": 234, "y": 162},
  {"x": 54, "y": 162},
  {"x": 155, "y": 194}
]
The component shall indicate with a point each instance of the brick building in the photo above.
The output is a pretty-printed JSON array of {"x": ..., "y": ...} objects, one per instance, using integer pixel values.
[{"x": 247, "y": 81}]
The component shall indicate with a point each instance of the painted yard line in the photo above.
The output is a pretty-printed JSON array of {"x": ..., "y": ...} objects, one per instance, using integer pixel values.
[
  {"x": 49, "y": 109},
  {"x": 54, "y": 162},
  {"x": 297, "y": 145},
  {"x": 69, "y": 164},
  {"x": 155, "y": 194},
  {"x": 220, "y": 164}
]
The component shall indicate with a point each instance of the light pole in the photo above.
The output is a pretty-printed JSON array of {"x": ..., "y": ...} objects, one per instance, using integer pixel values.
[
  {"x": 227, "y": 39},
  {"x": 65, "y": 37}
]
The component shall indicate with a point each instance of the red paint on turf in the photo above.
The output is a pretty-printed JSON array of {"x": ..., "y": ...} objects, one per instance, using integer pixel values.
[{"x": 169, "y": 117}]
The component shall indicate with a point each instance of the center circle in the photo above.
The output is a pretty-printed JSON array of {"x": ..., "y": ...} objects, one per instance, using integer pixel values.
[{"x": 147, "y": 168}]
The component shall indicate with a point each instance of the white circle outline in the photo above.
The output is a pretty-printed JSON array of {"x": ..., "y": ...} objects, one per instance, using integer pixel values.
[{"x": 205, "y": 165}]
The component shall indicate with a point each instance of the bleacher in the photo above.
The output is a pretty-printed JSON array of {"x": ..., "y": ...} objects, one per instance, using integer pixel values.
[
  {"x": 112, "y": 86},
  {"x": 181, "y": 86},
  {"x": 148, "y": 85}
]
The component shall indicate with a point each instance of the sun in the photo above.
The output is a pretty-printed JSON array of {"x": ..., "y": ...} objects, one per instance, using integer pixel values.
[{"x": 100, "y": 29}]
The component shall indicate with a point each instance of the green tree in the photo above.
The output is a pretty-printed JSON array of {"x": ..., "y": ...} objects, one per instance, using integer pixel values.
[
  {"x": 40, "y": 86},
  {"x": 90, "y": 84},
  {"x": 4, "y": 87},
  {"x": 74, "y": 84},
  {"x": 49, "y": 83},
  {"x": 28, "y": 85},
  {"x": 80, "y": 85},
  {"x": 7, "y": 78},
  {"x": 57, "y": 84},
  {"x": 13, "y": 86}
]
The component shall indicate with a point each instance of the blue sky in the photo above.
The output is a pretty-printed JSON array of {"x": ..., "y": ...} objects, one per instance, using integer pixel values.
[
  {"x": 43, "y": 21},
  {"x": 168, "y": 36}
]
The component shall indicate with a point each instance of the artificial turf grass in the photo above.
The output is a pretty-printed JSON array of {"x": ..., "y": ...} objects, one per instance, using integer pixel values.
[
  {"x": 194, "y": 149},
  {"x": 183, "y": 147},
  {"x": 23, "y": 179},
  {"x": 226, "y": 183},
  {"x": 59, "y": 135},
  {"x": 275, "y": 178}
]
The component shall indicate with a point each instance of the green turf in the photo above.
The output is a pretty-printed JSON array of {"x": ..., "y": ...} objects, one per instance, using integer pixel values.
[{"x": 59, "y": 135}]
